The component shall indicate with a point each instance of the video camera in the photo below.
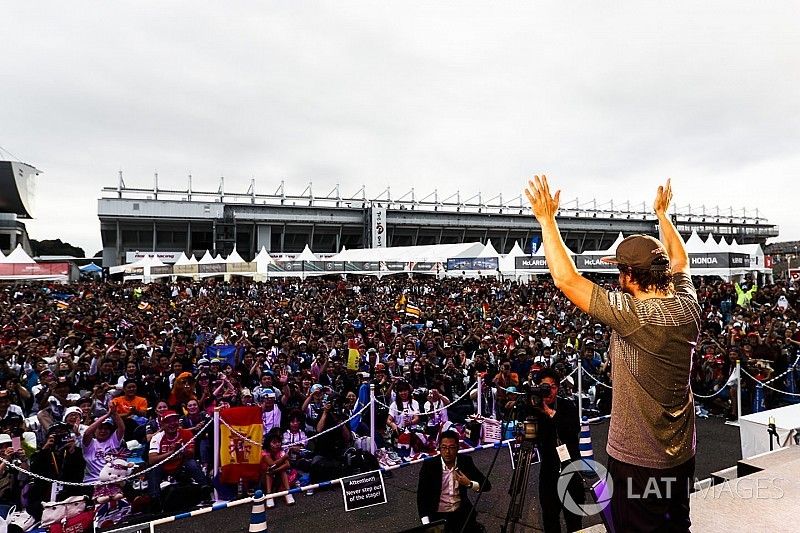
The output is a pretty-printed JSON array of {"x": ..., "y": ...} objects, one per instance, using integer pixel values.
[{"x": 533, "y": 395}]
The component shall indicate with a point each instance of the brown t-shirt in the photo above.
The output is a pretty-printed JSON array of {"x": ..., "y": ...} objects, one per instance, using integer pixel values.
[{"x": 652, "y": 410}]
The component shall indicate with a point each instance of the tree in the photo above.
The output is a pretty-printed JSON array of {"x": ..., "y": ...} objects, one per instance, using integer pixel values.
[{"x": 55, "y": 247}]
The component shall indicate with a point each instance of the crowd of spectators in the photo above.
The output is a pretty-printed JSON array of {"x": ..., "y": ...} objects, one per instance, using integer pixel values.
[{"x": 94, "y": 370}]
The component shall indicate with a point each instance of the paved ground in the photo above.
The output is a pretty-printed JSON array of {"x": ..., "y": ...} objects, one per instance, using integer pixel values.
[{"x": 717, "y": 447}]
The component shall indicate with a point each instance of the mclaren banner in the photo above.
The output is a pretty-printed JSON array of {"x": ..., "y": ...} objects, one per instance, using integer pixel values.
[{"x": 537, "y": 262}]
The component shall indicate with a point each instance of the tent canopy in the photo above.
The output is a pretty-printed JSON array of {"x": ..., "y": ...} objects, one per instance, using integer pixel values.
[
  {"x": 433, "y": 253},
  {"x": 306, "y": 255},
  {"x": 91, "y": 268},
  {"x": 19, "y": 257}
]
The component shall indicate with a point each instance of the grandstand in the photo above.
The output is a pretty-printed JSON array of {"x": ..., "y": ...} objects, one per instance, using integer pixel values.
[
  {"x": 172, "y": 221},
  {"x": 17, "y": 195}
]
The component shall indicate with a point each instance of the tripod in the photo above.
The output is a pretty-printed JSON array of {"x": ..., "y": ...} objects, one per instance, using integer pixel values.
[{"x": 519, "y": 486}]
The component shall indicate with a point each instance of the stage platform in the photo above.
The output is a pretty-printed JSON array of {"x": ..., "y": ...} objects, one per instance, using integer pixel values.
[
  {"x": 753, "y": 429},
  {"x": 761, "y": 493}
]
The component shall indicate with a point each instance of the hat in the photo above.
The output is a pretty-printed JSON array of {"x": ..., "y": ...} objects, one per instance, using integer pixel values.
[
  {"x": 71, "y": 410},
  {"x": 108, "y": 422},
  {"x": 246, "y": 392},
  {"x": 315, "y": 388},
  {"x": 642, "y": 252},
  {"x": 5, "y": 438},
  {"x": 203, "y": 361},
  {"x": 168, "y": 414},
  {"x": 270, "y": 395}
]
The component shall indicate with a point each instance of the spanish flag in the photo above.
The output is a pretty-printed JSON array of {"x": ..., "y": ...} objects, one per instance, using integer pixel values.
[
  {"x": 352, "y": 355},
  {"x": 240, "y": 457}
]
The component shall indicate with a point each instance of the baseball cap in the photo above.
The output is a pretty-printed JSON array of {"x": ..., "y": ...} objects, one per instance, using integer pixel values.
[
  {"x": 71, "y": 410},
  {"x": 642, "y": 252},
  {"x": 168, "y": 414},
  {"x": 5, "y": 438},
  {"x": 109, "y": 422},
  {"x": 315, "y": 387}
]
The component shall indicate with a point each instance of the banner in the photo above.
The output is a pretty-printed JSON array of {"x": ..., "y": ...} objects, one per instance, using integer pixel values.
[
  {"x": 353, "y": 356},
  {"x": 160, "y": 270},
  {"x": 537, "y": 262},
  {"x": 165, "y": 257},
  {"x": 211, "y": 268},
  {"x": 226, "y": 352},
  {"x": 473, "y": 263},
  {"x": 378, "y": 227},
  {"x": 34, "y": 269},
  {"x": 185, "y": 269},
  {"x": 592, "y": 262},
  {"x": 240, "y": 458},
  {"x": 719, "y": 260},
  {"x": 233, "y": 268}
]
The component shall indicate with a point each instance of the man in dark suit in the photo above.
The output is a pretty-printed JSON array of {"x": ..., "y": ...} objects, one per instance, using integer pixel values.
[{"x": 443, "y": 485}]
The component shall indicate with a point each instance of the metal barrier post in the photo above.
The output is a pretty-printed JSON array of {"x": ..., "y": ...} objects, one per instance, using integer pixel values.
[
  {"x": 372, "y": 445},
  {"x": 480, "y": 394},
  {"x": 738, "y": 391},
  {"x": 216, "y": 449},
  {"x": 580, "y": 391}
]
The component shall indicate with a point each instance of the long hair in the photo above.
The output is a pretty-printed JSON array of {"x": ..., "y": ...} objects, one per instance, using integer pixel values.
[{"x": 648, "y": 280}]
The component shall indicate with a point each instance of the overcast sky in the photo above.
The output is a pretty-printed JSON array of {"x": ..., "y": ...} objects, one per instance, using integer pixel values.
[{"x": 607, "y": 98}]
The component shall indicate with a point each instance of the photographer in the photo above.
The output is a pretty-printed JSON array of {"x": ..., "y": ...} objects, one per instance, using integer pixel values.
[
  {"x": 558, "y": 437},
  {"x": 11, "y": 452},
  {"x": 60, "y": 458}
]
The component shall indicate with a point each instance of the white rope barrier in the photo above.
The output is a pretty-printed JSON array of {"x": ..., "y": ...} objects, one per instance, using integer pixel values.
[
  {"x": 115, "y": 481},
  {"x": 764, "y": 383},
  {"x": 779, "y": 376},
  {"x": 594, "y": 378},
  {"x": 304, "y": 441},
  {"x": 442, "y": 408}
]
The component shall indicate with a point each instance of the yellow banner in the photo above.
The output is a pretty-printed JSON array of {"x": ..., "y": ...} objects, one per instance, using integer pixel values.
[{"x": 235, "y": 450}]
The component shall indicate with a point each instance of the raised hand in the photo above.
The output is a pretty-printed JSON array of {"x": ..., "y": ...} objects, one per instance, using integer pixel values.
[
  {"x": 543, "y": 204},
  {"x": 663, "y": 198}
]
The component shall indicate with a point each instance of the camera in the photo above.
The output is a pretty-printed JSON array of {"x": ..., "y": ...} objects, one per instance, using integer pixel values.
[{"x": 534, "y": 395}]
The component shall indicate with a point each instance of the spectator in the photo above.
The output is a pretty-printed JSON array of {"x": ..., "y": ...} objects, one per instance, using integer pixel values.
[{"x": 171, "y": 443}]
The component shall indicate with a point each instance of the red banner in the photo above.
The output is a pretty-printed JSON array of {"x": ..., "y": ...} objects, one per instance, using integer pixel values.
[
  {"x": 34, "y": 269},
  {"x": 241, "y": 433}
]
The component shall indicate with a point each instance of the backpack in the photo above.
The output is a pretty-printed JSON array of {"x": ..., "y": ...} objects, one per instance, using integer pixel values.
[{"x": 359, "y": 462}]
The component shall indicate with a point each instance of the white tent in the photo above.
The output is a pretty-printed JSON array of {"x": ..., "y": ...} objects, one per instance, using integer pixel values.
[
  {"x": 433, "y": 253},
  {"x": 712, "y": 243},
  {"x": 193, "y": 260},
  {"x": 19, "y": 257},
  {"x": 207, "y": 259},
  {"x": 508, "y": 261},
  {"x": 337, "y": 256},
  {"x": 2, "y": 257},
  {"x": 234, "y": 257},
  {"x": 489, "y": 250},
  {"x": 696, "y": 245},
  {"x": 182, "y": 260},
  {"x": 306, "y": 255}
]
